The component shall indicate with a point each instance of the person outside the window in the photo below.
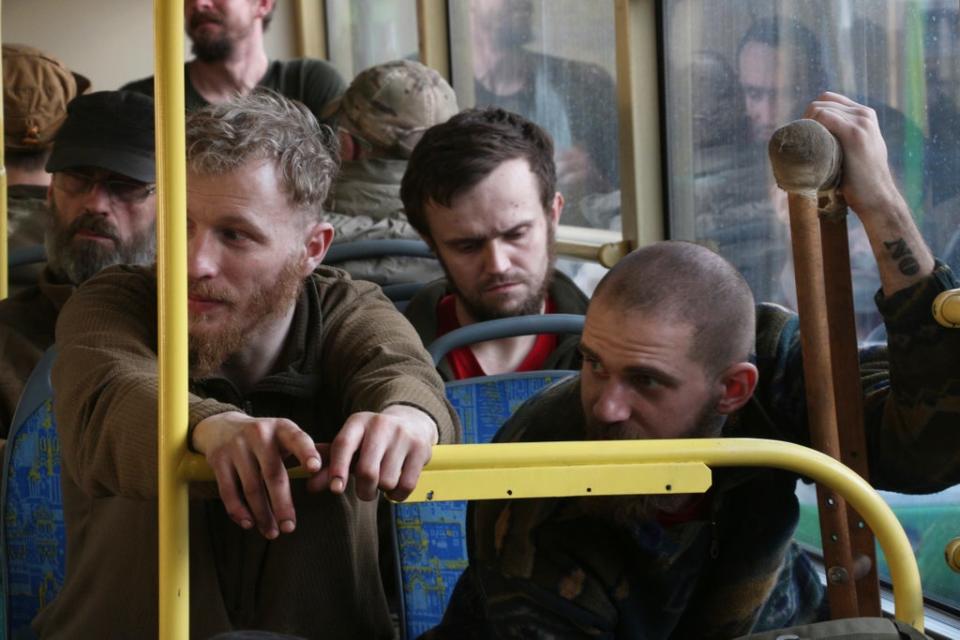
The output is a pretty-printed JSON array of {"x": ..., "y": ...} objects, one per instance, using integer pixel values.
[
  {"x": 670, "y": 350},
  {"x": 380, "y": 119},
  {"x": 100, "y": 211},
  {"x": 575, "y": 101},
  {"x": 227, "y": 40},
  {"x": 290, "y": 361}
]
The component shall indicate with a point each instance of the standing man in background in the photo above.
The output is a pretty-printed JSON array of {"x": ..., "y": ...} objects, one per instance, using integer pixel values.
[{"x": 230, "y": 58}]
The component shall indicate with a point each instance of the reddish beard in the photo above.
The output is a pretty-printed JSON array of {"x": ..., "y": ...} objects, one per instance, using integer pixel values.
[{"x": 210, "y": 350}]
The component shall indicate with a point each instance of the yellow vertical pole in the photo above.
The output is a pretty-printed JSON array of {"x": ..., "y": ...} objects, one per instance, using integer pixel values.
[
  {"x": 173, "y": 534},
  {"x": 4, "y": 242}
]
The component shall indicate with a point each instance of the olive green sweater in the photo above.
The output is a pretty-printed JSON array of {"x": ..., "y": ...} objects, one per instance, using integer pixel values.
[{"x": 348, "y": 350}]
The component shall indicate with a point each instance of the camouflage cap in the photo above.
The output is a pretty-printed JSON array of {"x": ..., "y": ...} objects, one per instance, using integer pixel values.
[
  {"x": 36, "y": 90},
  {"x": 390, "y": 105}
]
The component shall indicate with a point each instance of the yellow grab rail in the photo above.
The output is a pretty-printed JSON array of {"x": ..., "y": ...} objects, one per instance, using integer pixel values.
[
  {"x": 172, "y": 500},
  {"x": 524, "y": 470},
  {"x": 946, "y": 308}
]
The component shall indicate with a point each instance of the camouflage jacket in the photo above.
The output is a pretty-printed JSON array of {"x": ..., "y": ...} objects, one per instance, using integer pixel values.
[
  {"x": 364, "y": 204},
  {"x": 26, "y": 223},
  {"x": 546, "y": 569}
]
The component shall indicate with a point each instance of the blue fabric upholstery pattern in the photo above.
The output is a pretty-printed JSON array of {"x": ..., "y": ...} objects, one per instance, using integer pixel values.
[
  {"x": 431, "y": 536},
  {"x": 33, "y": 530}
]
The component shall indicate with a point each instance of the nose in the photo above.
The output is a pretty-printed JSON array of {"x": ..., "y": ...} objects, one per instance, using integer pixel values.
[
  {"x": 611, "y": 405},
  {"x": 98, "y": 200},
  {"x": 201, "y": 256},
  {"x": 496, "y": 258}
]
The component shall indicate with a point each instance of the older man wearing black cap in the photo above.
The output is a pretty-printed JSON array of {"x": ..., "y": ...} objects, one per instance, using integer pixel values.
[{"x": 102, "y": 211}]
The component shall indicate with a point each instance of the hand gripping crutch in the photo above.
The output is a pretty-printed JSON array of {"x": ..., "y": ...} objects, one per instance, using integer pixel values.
[{"x": 807, "y": 162}]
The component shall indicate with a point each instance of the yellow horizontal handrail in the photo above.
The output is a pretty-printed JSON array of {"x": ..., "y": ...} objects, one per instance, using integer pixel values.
[
  {"x": 952, "y": 554},
  {"x": 485, "y": 466},
  {"x": 946, "y": 308}
]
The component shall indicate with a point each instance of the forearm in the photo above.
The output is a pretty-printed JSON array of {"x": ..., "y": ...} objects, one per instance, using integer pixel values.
[
  {"x": 386, "y": 364},
  {"x": 912, "y": 403},
  {"x": 902, "y": 255}
]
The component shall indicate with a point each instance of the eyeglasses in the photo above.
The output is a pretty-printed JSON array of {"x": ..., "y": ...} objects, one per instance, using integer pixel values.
[{"x": 128, "y": 191}]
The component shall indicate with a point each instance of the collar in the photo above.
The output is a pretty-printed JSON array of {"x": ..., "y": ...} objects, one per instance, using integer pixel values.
[{"x": 55, "y": 289}]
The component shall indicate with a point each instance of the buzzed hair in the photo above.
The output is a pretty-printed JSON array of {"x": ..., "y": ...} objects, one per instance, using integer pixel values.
[{"x": 685, "y": 283}]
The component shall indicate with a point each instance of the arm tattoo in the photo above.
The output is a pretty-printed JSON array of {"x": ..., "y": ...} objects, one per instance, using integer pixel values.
[{"x": 900, "y": 252}]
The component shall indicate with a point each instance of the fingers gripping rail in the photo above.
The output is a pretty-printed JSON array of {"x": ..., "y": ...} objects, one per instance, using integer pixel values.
[{"x": 527, "y": 470}]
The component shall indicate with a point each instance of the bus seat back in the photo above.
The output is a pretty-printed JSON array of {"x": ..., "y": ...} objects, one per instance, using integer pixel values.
[
  {"x": 32, "y": 534},
  {"x": 431, "y": 537}
]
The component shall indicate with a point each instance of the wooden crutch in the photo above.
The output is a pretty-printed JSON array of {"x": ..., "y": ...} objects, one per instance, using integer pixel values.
[{"x": 807, "y": 161}]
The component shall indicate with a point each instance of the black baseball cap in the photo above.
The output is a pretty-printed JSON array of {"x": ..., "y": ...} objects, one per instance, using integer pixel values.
[{"x": 110, "y": 130}]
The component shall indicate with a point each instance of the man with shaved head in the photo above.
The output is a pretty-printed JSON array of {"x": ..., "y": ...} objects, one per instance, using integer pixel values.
[{"x": 670, "y": 350}]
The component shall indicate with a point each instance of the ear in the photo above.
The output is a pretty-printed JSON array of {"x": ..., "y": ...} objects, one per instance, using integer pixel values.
[
  {"x": 348, "y": 147},
  {"x": 49, "y": 193},
  {"x": 556, "y": 208},
  {"x": 319, "y": 239},
  {"x": 738, "y": 383},
  {"x": 264, "y": 7}
]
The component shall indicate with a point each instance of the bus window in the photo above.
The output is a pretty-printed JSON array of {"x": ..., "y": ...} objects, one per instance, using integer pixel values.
[
  {"x": 736, "y": 71},
  {"x": 930, "y": 523},
  {"x": 554, "y": 63},
  {"x": 363, "y": 33}
]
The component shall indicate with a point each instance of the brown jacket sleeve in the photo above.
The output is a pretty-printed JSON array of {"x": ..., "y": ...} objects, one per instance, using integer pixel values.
[
  {"x": 375, "y": 359},
  {"x": 105, "y": 385}
]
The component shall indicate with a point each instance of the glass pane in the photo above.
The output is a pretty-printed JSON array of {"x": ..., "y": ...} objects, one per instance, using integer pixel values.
[
  {"x": 362, "y": 33},
  {"x": 554, "y": 63},
  {"x": 734, "y": 72},
  {"x": 930, "y": 522}
]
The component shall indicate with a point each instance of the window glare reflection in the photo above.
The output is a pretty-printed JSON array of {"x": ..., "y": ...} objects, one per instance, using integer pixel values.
[
  {"x": 363, "y": 33},
  {"x": 552, "y": 62}
]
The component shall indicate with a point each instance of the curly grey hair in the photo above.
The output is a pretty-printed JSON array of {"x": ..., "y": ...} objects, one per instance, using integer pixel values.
[{"x": 264, "y": 125}]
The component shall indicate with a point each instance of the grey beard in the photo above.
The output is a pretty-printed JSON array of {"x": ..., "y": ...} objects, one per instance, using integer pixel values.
[{"x": 77, "y": 264}]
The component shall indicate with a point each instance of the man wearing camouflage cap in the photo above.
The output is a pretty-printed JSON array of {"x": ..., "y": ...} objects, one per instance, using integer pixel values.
[
  {"x": 380, "y": 119},
  {"x": 101, "y": 211},
  {"x": 36, "y": 90}
]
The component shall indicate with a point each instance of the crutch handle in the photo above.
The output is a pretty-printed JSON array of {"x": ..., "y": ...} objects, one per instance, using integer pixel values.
[{"x": 805, "y": 157}]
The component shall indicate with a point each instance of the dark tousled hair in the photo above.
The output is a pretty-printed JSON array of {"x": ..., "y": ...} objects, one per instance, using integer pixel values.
[
  {"x": 685, "y": 283},
  {"x": 453, "y": 157}
]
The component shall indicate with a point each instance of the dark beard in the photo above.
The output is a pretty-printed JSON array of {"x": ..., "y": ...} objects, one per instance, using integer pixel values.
[
  {"x": 78, "y": 262},
  {"x": 208, "y": 50},
  {"x": 532, "y": 305},
  {"x": 624, "y": 510},
  {"x": 212, "y": 50},
  {"x": 209, "y": 353}
]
